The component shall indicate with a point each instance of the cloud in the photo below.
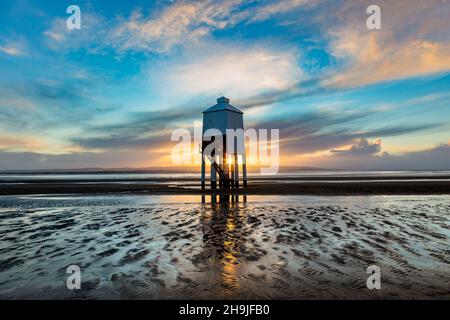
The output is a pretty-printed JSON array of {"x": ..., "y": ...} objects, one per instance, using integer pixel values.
[
  {"x": 13, "y": 143},
  {"x": 372, "y": 62},
  {"x": 231, "y": 70},
  {"x": 44, "y": 161},
  {"x": 15, "y": 46},
  {"x": 193, "y": 59},
  {"x": 11, "y": 51},
  {"x": 180, "y": 23},
  {"x": 322, "y": 131},
  {"x": 94, "y": 32},
  {"x": 26, "y": 9},
  {"x": 411, "y": 43},
  {"x": 362, "y": 146},
  {"x": 47, "y": 109},
  {"x": 279, "y": 7},
  {"x": 149, "y": 129},
  {"x": 123, "y": 141},
  {"x": 300, "y": 133},
  {"x": 61, "y": 97},
  {"x": 185, "y": 22},
  {"x": 432, "y": 97},
  {"x": 314, "y": 141},
  {"x": 19, "y": 113},
  {"x": 437, "y": 158}
]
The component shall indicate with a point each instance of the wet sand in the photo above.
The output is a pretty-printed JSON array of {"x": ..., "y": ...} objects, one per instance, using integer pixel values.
[
  {"x": 175, "y": 247},
  {"x": 276, "y": 186}
]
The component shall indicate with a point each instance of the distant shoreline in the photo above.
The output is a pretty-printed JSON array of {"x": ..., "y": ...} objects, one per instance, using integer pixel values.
[
  {"x": 154, "y": 170},
  {"x": 259, "y": 179},
  {"x": 327, "y": 186}
]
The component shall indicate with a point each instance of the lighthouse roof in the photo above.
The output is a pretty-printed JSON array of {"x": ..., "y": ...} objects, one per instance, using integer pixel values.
[{"x": 223, "y": 103}]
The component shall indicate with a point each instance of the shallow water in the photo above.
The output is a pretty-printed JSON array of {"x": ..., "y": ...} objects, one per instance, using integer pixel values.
[
  {"x": 183, "y": 177},
  {"x": 269, "y": 247}
]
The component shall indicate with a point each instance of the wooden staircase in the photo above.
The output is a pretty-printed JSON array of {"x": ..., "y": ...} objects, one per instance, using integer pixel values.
[{"x": 219, "y": 170}]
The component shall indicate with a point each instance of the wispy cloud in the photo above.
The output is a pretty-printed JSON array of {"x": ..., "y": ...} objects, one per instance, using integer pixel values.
[
  {"x": 361, "y": 146},
  {"x": 433, "y": 97},
  {"x": 92, "y": 36},
  {"x": 180, "y": 23},
  {"x": 15, "y": 46},
  {"x": 280, "y": 7},
  {"x": 12, "y": 51},
  {"x": 22, "y": 143},
  {"x": 300, "y": 134},
  {"x": 42, "y": 161},
  {"x": 323, "y": 141}
]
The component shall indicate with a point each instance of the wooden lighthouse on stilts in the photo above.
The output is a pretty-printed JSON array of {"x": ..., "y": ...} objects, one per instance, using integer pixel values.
[{"x": 223, "y": 146}]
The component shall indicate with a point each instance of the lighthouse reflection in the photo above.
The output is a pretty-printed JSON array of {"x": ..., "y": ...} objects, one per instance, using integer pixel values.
[
  {"x": 224, "y": 199},
  {"x": 224, "y": 240}
]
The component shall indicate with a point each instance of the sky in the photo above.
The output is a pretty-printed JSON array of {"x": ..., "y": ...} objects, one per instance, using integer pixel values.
[{"x": 110, "y": 94}]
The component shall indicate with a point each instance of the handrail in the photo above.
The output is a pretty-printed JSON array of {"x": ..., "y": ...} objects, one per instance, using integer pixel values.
[{"x": 222, "y": 173}]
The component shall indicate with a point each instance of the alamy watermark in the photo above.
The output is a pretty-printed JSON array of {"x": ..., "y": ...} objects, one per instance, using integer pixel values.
[
  {"x": 374, "y": 280},
  {"x": 258, "y": 147},
  {"x": 74, "y": 20},
  {"x": 373, "y": 22},
  {"x": 73, "y": 281}
]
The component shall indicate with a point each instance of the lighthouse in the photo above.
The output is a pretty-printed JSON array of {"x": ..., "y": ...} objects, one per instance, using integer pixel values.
[{"x": 223, "y": 146}]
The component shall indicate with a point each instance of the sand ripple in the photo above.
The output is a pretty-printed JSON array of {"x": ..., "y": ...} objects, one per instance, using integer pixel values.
[{"x": 298, "y": 248}]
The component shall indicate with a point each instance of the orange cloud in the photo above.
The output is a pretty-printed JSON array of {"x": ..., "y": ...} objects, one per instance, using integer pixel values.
[
  {"x": 412, "y": 43},
  {"x": 21, "y": 144},
  {"x": 375, "y": 60}
]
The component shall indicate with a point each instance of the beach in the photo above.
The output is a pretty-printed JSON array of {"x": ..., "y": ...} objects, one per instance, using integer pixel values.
[{"x": 194, "y": 247}]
